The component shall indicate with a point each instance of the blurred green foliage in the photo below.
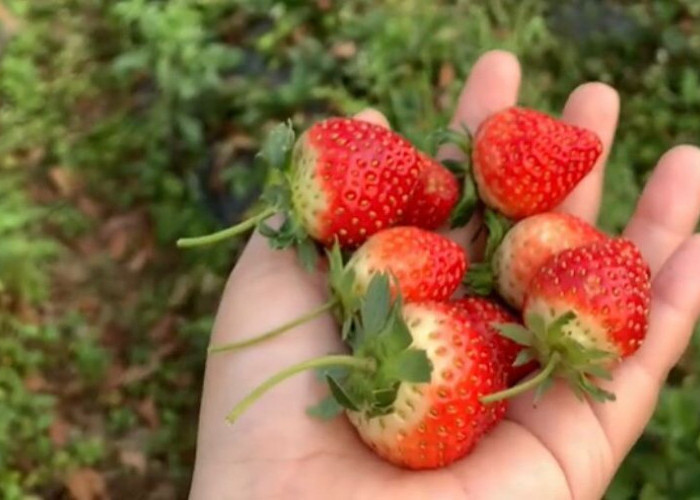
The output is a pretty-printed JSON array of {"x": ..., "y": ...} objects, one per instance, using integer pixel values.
[{"x": 162, "y": 104}]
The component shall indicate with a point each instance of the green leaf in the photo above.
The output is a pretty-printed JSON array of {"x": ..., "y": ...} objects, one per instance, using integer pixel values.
[
  {"x": 277, "y": 195},
  {"x": 308, "y": 255},
  {"x": 277, "y": 145},
  {"x": 523, "y": 357},
  {"x": 190, "y": 129},
  {"x": 464, "y": 209},
  {"x": 335, "y": 262},
  {"x": 443, "y": 136},
  {"x": 356, "y": 334},
  {"x": 497, "y": 226},
  {"x": 458, "y": 168},
  {"x": 326, "y": 409},
  {"x": 480, "y": 278},
  {"x": 596, "y": 393},
  {"x": 346, "y": 329},
  {"x": 384, "y": 397},
  {"x": 375, "y": 304},
  {"x": 535, "y": 322},
  {"x": 396, "y": 337},
  {"x": 598, "y": 354},
  {"x": 267, "y": 231},
  {"x": 517, "y": 333},
  {"x": 342, "y": 397},
  {"x": 598, "y": 371},
  {"x": 412, "y": 365},
  {"x": 337, "y": 372},
  {"x": 543, "y": 388}
]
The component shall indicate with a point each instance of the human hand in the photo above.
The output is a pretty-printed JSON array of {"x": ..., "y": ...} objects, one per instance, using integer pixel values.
[{"x": 564, "y": 448}]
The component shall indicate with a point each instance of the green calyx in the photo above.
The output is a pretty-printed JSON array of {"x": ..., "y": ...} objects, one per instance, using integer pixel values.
[
  {"x": 368, "y": 380},
  {"x": 276, "y": 153},
  {"x": 481, "y": 277},
  {"x": 469, "y": 200},
  {"x": 560, "y": 356},
  {"x": 377, "y": 331},
  {"x": 497, "y": 226},
  {"x": 341, "y": 279}
]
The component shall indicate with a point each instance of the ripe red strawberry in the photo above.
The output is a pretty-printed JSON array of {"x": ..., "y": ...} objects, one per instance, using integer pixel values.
[
  {"x": 434, "y": 198},
  {"x": 485, "y": 313},
  {"x": 586, "y": 308},
  {"x": 528, "y": 245},
  {"x": 426, "y": 265},
  {"x": 342, "y": 180},
  {"x": 412, "y": 384},
  {"x": 525, "y": 162},
  {"x": 432, "y": 424},
  {"x": 350, "y": 179}
]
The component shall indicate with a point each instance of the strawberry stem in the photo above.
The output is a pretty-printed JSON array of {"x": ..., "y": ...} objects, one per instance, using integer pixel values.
[
  {"x": 228, "y": 232},
  {"x": 535, "y": 381},
  {"x": 233, "y": 346},
  {"x": 364, "y": 364}
]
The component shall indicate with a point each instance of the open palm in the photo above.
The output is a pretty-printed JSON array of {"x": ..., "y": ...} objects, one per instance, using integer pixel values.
[{"x": 562, "y": 449}]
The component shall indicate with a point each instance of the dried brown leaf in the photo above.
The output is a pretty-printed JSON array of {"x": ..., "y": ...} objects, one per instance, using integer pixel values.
[
  {"x": 344, "y": 50},
  {"x": 447, "y": 75},
  {"x": 134, "y": 459},
  {"x": 87, "y": 484},
  {"x": 59, "y": 431},
  {"x": 65, "y": 181},
  {"x": 148, "y": 411}
]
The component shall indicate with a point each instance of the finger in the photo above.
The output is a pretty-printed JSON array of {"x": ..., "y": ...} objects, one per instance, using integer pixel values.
[
  {"x": 638, "y": 380},
  {"x": 492, "y": 86},
  {"x": 570, "y": 430},
  {"x": 373, "y": 116},
  {"x": 266, "y": 289},
  {"x": 594, "y": 106},
  {"x": 668, "y": 209}
]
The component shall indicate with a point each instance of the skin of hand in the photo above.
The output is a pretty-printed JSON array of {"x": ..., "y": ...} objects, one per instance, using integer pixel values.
[{"x": 562, "y": 449}]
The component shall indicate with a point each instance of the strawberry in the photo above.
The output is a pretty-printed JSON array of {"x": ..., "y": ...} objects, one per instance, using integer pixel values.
[
  {"x": 526, "y": 162},
  {"x": 585, "y": 308},
  {"x": 423, "y": 266},
  {"x": 411, "y": 385},
  {"x": 342, "y": 180},
  {"x": 351, "y": 179},
  {"x": 434, "y": 423},
  {"x": 524, "y": 248},
  {"x": 484, "y": 314},
  {"x": 434, "y": 198}
]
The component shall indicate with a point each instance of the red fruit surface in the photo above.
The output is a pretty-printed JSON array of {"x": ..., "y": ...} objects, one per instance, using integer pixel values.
[
  {"x": 606, "y": 284},
  {"x": 526, "y": 162},
  {"x": 350, "y": 179},
  {"x": 426, "y": 265},
  {"x": 484, "y": 313},
  {"x": 435, "y": 196}
]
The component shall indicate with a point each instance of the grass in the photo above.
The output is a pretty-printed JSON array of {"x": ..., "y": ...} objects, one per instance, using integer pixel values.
[{"x": 128, "y": 124}]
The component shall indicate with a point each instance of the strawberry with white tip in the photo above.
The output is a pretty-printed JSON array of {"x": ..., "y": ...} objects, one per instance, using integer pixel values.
[
  {"x": 585, "y": 309},
  {"x": 413, "y": 383},
  {"x": 524, "y": 248},
  {"x": 341, "y": 181}
]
